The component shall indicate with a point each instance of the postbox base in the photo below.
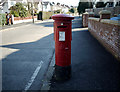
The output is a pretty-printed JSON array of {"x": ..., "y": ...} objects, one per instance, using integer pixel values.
[{"x": 62, "y": 73}]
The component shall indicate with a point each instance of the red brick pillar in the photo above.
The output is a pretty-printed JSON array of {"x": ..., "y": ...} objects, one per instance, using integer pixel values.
[
  {"x": 105, "y": 14},
  {"x": 91, "y": 14},
  {"x": 85, "y": 17}
]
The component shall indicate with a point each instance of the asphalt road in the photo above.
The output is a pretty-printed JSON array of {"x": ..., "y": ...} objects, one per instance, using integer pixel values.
[{"x": 27, "y": 51}]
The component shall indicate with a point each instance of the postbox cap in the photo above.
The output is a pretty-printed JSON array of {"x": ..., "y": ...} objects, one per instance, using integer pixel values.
[{"x": 62, "y": 17}]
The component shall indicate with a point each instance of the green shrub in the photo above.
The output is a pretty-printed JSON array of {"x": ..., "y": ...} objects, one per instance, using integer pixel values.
[
  {"x": 57, "y": 11},
  {"x": 47, "y": 15},
  {"x": 72, "y": 10},
  {"x": 2, "y": 19},
  {"x": 18, "y": 10},
  {"x": 67, "y": 12},
  {"x": 16, "y": 14}
]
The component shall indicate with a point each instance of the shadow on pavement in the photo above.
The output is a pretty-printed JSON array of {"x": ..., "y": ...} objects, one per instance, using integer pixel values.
[
  {"x": 18, "y": 67},
  {"x": 45, "y": 24},
  {"x": 93, "y": 68},
  {"x": 77, "y": 22}
]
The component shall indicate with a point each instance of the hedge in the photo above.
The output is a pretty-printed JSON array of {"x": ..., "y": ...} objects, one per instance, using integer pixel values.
[
  {"x": 2, "y": 19},
  {"x": 47, "y": 15}
]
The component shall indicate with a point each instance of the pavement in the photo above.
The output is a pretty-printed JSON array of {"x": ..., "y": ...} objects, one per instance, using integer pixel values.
[
  {"x": 15, "y": 25},
  {"x": 21, "y": 24},
  {"x": 93, "y": 67}
]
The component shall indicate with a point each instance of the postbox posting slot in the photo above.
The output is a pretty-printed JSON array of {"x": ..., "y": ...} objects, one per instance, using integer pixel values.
[{"x": 61, "y": 26}]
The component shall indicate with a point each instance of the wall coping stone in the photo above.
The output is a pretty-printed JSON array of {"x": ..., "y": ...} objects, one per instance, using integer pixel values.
[
  {"x": 95, "y": 19},
  {"x": 105, "y": 12},
  {"x": 107, "y": 21},
  {"x": 88, "y": 13}
]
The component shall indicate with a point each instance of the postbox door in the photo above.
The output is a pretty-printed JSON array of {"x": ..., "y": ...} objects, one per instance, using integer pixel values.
[
  {"x": 62, "y": 31},
  {"x": 63, "y": 43}
]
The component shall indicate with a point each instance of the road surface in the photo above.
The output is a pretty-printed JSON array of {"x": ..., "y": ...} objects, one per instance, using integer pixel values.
[{"x": 27, "y": 51}]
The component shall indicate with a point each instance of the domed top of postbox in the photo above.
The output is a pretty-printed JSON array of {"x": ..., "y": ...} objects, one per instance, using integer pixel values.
[{"x": 62, "y": 17}]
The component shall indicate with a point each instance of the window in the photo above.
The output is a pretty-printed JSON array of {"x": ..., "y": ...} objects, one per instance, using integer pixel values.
[{"x": 12, "y": 3}]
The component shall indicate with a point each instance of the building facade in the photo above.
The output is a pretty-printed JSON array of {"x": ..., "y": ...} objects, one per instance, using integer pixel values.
[{"x": 38, "y": 6}]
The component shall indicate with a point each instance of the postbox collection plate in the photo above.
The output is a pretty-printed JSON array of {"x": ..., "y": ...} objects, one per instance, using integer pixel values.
[{"x": 61, "y": 36}]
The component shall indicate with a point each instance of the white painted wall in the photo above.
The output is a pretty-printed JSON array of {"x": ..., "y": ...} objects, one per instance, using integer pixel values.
[
  {"x": 39, "y": 7},
  {"x": 47, "y": 8},
  {"x": 65, "y": 10},
  {"x": 5, "y": 7}
]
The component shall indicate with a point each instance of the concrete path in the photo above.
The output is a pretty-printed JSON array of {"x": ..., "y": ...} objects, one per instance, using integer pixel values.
[
  {"x": 27, "y": 51},
  {"x": 93, "y": 68},
  {"x": 19, "y": 24}
]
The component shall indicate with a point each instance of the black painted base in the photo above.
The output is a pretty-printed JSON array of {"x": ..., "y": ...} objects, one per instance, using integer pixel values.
[{"x": 62, "y": 73}]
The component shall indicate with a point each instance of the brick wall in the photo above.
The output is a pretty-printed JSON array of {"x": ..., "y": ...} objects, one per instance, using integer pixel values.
[
  {"x": 97, "y": 10},
  {"x": 107, "y": 32},
  {"x": 85, "y": 17},
  {"x": 19, "y": 18},
  {"x": 114, "y": 10},
  {"x": 117, "y": 10}
]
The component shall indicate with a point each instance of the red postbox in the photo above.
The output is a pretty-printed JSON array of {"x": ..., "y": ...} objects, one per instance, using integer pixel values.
[{"x": 62, "y": 37}]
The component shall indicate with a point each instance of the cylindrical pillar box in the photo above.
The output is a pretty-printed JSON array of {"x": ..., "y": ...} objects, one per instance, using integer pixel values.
[{"x": 63, "y": 37}]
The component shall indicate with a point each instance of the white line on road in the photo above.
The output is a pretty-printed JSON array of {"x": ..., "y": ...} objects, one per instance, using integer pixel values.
[{"x": 33, "y": 76}]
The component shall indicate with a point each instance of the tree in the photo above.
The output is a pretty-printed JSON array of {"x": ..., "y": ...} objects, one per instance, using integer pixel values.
[
  {"x": 90, "y": 5},
  {"x": 72, "y": 10},
  {"x": 18, "y": 10},
  {"x": 100, "y": 4},
  {"x": 84, "y": 5},
  {"x": 118, "y": 4},
  {"x": 58, "y": 11}
]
